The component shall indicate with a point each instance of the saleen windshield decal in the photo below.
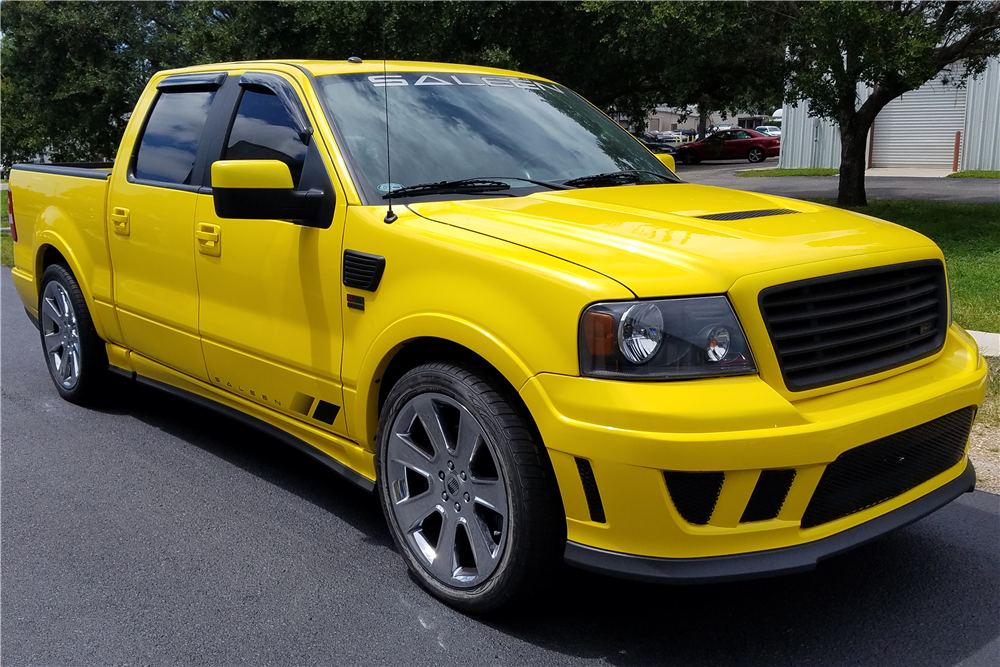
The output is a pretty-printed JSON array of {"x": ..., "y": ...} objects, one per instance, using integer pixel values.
[{"x": 417, "y": 79}]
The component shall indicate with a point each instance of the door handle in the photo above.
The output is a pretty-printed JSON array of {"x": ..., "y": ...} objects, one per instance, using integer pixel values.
[
  {"x": 209, "y": 239},
  {"x": 120, "y": 219}
]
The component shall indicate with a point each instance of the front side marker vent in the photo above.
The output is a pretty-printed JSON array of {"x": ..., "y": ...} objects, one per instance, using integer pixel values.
[
  {"x": 590, "y": 489},
  {"x": 363, "y": 271},
  {"x": 743, "y": 215}
]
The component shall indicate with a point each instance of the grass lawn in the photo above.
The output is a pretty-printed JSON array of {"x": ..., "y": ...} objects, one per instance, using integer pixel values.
[
  {"x": 974, "y": 174},
  {"x": 6, "y": 250},
  {"x": 754, "y": 173},
  {"x": 6, "y": 244},
  {"x": 989, "y": 414},
  {"x": 969, "y": 236}
]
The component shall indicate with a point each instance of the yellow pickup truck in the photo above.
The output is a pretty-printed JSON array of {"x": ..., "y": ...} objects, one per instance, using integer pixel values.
[{"x": 471, "y": 292}]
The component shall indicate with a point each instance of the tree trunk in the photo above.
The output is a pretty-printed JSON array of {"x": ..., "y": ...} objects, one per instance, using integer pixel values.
[
  {"x": 853, "y": 139},
  {"x": 702, "y": 117}
]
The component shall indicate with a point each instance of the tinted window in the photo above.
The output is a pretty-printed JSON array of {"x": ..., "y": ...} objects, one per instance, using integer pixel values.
[
  {"x": 264, "y": 131},
  {"x": 170, "y": 140},
  {"x": 742, "y": 135}
]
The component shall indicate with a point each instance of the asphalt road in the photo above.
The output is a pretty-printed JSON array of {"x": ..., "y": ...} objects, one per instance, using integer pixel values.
[
  {"x": 153, "y": 532},
  {"x": 722, "y": 174}
]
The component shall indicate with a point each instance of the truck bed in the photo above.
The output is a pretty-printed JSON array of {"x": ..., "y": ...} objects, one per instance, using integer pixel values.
[{"x": 61, "y": 208}]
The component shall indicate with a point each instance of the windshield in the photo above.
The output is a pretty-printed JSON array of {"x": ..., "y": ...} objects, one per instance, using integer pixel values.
[{"x": 451, "y": 127}]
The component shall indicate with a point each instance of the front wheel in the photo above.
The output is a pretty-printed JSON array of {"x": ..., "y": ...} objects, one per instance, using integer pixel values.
[
  {"x": 467, "y": 489},
  {"x": 74, "y": 353},
  {"x": 756, "y": 155}
]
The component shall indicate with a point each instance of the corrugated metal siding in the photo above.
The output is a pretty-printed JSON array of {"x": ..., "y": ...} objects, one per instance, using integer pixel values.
[
  {"x": 917, "y": 129},
  {"x": 811, "y": 143},
  {"x": 982, "y": 121}
]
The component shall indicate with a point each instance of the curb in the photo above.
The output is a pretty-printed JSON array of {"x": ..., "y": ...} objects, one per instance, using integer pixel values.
[{"x": 989, "y": 343}]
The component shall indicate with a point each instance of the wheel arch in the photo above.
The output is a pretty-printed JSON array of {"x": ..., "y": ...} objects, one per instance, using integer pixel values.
[
  {"x": 418, "y": 340},
  {"x": 52, "y": 249}
]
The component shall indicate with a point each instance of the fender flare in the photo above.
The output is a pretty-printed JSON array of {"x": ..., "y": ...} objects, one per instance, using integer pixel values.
[
  {"x": 426, "y": 325},
  {"x": 49, "y": 237}
]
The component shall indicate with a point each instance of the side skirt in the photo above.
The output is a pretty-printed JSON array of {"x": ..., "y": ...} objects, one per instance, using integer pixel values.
[{"x": 303, "y": 446}]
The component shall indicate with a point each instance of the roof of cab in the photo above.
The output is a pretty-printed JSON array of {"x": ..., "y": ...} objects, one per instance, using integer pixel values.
[{"x": 327, "y": 67}]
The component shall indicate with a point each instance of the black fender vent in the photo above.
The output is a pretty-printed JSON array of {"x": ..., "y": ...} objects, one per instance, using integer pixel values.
[
  {"x": 591, "y": 491},
  {"x": 871, "y": 474},
  {"x": 694, "y": 493},
  {"x": 743, "y": 215},
  {"x": 363, "y": 271},
  {"x": 768, "y": 496}
]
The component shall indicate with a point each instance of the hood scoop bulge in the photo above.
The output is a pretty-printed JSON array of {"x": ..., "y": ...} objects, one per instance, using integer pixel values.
[{"x": 743, "y": 215}]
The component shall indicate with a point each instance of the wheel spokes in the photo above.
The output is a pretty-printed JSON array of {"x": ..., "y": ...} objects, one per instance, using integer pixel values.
[
  {"x": 443, "y": 564},
  {"x": 55, "y": 317},
  {"x": 447, "y": 494},
  {"x": 428, "y": 415},
  {"x": 53, "y": 342}
]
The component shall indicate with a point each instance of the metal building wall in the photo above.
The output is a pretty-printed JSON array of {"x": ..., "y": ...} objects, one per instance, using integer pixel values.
[
  {"x": 813, "y": 143},
  {"x": 810, "y": 143},
  {"x": 981, "y": 138},
  {"x": 917, "y": 129}
]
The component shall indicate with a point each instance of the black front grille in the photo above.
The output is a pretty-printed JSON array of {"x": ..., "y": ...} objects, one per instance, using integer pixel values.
[
  {"x": 840, "y": 327},
  {"x": 694, "y": 493},
  {"x": 881, "y": 470}
]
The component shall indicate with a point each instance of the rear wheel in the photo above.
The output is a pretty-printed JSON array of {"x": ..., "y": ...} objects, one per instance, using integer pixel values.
[
  {"x": 756, "y": 155},
  {"x": 74, "y": 353},
  {"x": 466, "y": 488},
  {"x": 689, "y": 157}
]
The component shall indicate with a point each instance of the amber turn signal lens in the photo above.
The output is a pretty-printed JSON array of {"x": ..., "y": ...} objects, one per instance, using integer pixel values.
[{"x": 599, "y": 332}]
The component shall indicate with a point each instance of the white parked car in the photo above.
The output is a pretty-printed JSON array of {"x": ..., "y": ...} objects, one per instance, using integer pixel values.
[{"x": 769, "y": 130}]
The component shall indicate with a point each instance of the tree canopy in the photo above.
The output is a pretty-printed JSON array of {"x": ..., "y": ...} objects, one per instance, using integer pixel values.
[
  {"x": 891, "y": 47},
  {"x": 72, "y": 71}
]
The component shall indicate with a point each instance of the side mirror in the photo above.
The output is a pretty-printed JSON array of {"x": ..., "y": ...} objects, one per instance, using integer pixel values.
[
  {"x": 261, "y": 190},
  {"x": 668, "y": 162}
]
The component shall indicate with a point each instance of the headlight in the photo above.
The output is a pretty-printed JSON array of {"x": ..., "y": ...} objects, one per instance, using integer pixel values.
[{"x": 664, "y": 339}]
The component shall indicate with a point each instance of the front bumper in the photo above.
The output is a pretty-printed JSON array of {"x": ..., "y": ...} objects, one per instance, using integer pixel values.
[
  {"x": 615, "y": 440},
  {"x": 800, "y": 558}
]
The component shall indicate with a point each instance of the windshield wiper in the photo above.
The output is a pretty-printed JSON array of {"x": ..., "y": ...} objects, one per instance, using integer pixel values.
[
  {"x": 544, "y": 184},
  {"x": 465, "y": 185},
  {"x": 625, "y": 177}
]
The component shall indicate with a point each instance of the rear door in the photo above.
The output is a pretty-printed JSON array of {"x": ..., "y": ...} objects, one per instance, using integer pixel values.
[
  {"x": 151, "y": 209},
  {"x": 270, "y": 315}
]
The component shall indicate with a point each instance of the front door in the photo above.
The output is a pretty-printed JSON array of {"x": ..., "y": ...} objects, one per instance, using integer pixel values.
[{"x": 270, "y": 316}]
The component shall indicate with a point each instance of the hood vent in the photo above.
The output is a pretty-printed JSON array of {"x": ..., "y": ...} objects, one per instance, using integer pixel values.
[{"x": 743, "y": 215}]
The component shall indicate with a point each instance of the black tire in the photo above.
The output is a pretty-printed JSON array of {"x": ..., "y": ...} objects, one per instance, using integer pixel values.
[
  {"x": 507, "y": 550},
  {"x": 74, "y": 354},
  {"x": 756, "y": 155},
  {"x": 689, "y": 157}
]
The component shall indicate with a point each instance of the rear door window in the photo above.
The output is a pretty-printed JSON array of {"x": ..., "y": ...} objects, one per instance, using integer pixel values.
[
  {"x": 170, "y": 140},
  {"x": 263, "y": 130}
]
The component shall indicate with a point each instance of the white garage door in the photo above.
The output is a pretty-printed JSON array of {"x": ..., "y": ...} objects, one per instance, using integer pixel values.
[{"x": 918, "y": 128}]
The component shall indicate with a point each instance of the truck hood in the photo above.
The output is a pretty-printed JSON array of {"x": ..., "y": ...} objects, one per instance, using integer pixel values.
[{"x": 655, "y": 240}]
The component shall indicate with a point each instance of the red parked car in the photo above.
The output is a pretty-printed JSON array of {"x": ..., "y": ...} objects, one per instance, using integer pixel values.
[{"x": 735, "y": 144}]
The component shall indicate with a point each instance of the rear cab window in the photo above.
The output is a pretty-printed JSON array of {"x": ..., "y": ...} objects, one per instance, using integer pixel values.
[{"x": 169, "y": 144}]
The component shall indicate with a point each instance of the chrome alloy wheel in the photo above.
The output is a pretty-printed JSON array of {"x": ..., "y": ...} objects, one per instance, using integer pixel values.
[
  {"x": 60, "y": 335},
  {"x": 447, "y": 491}
]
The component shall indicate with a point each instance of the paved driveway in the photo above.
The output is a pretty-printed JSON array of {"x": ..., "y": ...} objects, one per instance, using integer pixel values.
[
  {"x": 154, "y": 532},
  {"x": 723, "y": 174}
]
